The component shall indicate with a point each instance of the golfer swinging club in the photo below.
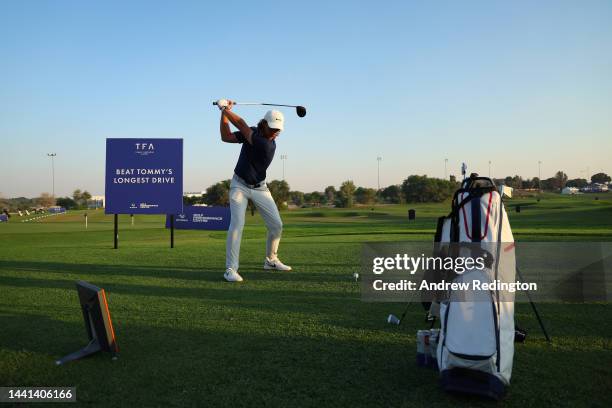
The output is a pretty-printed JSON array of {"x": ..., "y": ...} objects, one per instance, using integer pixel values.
[{"x": 258, "y": 147}]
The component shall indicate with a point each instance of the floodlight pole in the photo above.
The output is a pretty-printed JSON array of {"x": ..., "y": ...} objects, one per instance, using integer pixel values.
[
  {"x": 283, "y": 158},
  {"x": 52, "y": 156},
  {"x": 445, "y": 169},
  {"x": 489, "y": 168},
  {"x": 588, "y": 172},
  {"x": 539, "y": 175},
  {"x": 379, "y": 159}
]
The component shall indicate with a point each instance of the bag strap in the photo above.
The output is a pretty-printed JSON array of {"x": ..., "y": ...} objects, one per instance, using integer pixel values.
[
  {"x": 439, "y": 228},
  {"x": 475, "y": 204},
  {"x": 499, "y": 245}
]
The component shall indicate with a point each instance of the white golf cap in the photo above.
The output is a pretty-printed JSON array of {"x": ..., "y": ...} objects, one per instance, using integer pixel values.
[{"x": 275, "y": 119}]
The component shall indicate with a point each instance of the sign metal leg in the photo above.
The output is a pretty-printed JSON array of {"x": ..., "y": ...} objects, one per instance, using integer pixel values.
[
  {"x": 116, "y": 231},
  {"x": 171, "y": 231}
]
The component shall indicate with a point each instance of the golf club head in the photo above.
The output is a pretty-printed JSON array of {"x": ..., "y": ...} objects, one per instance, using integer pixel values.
[
  {"x": 392, "y": 319},
  {"x": 301, "y": 111}
]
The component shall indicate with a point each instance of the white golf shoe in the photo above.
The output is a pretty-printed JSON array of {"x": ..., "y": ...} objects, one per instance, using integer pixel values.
[
  {"x": 276, "y": 264},
  {"x": 231, "y": 275}
]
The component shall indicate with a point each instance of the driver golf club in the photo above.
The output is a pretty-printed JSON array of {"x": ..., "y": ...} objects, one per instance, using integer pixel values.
[{"x": 300, "y": 110}]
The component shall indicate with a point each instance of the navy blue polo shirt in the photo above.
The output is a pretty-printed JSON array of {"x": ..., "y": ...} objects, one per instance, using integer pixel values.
[{"x": 254, "y": 158}]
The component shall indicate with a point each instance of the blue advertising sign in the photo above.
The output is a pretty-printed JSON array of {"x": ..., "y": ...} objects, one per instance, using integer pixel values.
[
  {"x": 56, "y": 210},
  {"x": 203, "y": 218},
  {"x": 144, "y": 176}
]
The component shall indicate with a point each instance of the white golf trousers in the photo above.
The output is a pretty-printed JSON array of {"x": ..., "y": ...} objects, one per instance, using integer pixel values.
[{"x": 239, "y": 196}]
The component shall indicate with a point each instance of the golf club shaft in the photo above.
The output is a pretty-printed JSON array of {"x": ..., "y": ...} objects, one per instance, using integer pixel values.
[
  {"x": 404, "y": 314},
  {"x": 261, "y": 103}
]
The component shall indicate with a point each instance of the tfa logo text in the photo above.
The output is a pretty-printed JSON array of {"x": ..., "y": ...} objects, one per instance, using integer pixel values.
[
  {"x": 144, "y": 149},
  {"x": 144, "y": 146}
]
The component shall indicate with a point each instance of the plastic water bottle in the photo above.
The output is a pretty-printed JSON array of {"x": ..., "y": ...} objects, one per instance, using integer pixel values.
[
  {"x": 434, "y": 335},
  {"x": 423, "y": 353}
]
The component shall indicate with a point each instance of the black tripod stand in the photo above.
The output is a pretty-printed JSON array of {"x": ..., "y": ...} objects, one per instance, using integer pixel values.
[{"x": 535, "y": 310}]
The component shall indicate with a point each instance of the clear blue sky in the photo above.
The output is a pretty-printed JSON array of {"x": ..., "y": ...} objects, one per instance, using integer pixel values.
[{"x": 415, "y": 82}]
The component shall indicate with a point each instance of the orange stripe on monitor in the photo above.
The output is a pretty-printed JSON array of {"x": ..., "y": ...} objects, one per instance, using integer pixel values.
[{"x": 110, "y": 321}]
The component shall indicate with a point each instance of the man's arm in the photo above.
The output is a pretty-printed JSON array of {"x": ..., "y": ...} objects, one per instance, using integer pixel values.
[
  {"x": 226, "y": 134},
  {"x": 228, "y": 115}
]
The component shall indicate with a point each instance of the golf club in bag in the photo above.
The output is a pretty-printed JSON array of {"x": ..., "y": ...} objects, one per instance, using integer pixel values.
[
  {"x": 300, "y": 110},
  {"x": 392, "y": 319}
]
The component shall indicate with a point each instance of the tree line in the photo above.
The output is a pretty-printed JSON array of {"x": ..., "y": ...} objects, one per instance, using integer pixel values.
[
  {"x": 414, "y": 189},
  {"x": 553, "y": 184},
  {"x": 78, "y": 201}
]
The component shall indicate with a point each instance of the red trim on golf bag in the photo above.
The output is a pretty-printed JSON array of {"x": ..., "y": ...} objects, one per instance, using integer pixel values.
[{"x": 486, "y": 227}]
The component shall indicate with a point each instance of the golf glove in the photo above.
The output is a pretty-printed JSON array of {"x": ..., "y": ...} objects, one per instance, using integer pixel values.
[{"x": 222, "y": 104}]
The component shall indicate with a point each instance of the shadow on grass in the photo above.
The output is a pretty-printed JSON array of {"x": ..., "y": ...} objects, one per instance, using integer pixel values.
[
  {"x": 228, "y": 364},
  {"x": 427, "y": 232},
  {"x": 213, "y": 366},
  {"x": 295, "y": 293},
  {"x": 173, "y": 272},
  {"x": 236, "y": 297}
]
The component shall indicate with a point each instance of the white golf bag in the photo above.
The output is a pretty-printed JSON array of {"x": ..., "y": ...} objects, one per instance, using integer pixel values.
[{"x": 476, "y": 343}]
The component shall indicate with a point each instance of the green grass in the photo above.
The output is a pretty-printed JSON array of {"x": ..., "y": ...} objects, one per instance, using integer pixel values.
[{"x": 302, "y": 338}]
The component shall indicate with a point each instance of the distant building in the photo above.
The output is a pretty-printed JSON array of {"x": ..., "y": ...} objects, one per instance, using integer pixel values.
[
  {"x": 194, "y": 194},
  {"x": 570, "y": 190},
  {"x": 95, "y": 202},
  {"x": 595, "y": 188},
  {"x": 505, "y": 190}
]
